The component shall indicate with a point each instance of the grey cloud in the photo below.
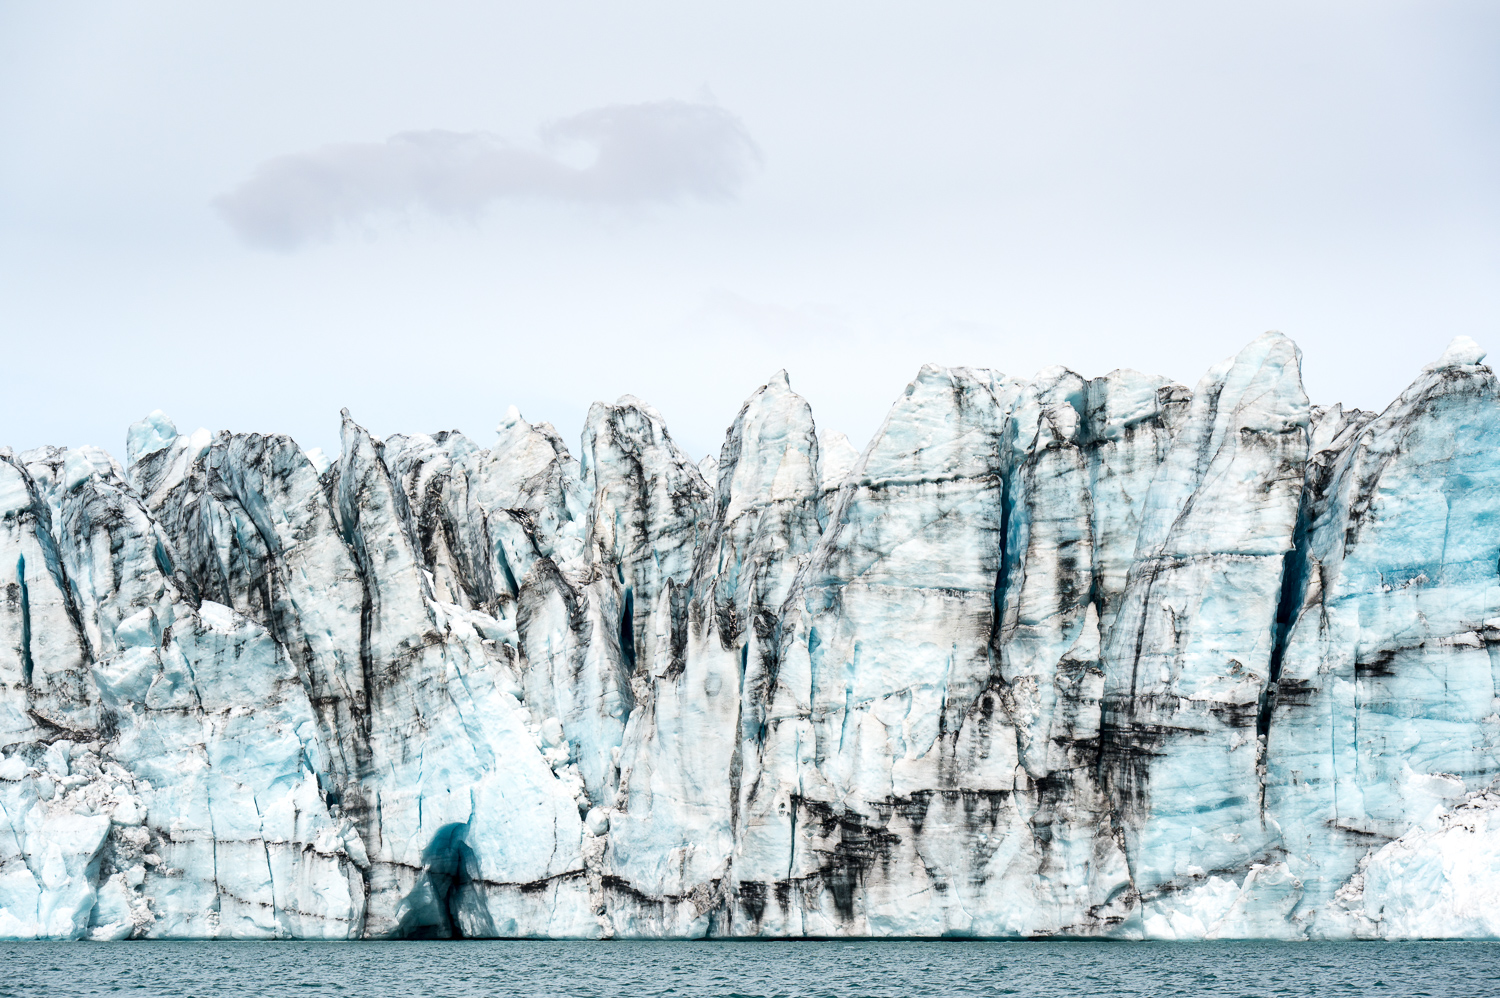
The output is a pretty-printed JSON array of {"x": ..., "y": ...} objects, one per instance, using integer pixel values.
[{"x": 658, "y": 152}]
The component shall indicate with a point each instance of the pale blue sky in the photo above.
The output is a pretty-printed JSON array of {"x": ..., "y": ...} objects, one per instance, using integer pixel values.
[{"x": 1003, "y": 185}]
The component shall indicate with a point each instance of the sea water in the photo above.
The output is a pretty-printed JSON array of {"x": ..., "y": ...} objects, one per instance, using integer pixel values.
[{"x": 904, "y": 969}]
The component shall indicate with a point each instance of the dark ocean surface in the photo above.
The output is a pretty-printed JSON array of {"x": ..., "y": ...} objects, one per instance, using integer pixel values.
[{"x": 646, "y": 969}]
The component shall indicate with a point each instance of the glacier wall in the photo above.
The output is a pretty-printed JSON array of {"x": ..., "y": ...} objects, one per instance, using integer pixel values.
[{"x": 1061, "y": 656}]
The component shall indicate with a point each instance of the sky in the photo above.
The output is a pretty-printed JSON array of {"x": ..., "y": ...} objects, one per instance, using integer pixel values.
[{"x": 252, "y": 215}]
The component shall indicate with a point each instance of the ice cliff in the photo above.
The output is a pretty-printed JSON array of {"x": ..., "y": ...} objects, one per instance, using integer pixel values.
[{"x": 1052, "y": 656}]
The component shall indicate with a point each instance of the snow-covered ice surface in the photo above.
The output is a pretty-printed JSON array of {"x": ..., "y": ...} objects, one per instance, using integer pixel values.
[{"x": 1058, "y": 656}]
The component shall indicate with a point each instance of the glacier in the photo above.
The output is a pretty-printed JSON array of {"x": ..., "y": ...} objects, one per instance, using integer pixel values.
[{"x": 1053, "y": 656}]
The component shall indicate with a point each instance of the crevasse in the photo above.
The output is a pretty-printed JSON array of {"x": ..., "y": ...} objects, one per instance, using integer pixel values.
[{"x": 1101, "y": 657}]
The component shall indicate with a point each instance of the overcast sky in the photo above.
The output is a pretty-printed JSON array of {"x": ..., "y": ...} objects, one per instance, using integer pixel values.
[{"x": 250, "y": 215}]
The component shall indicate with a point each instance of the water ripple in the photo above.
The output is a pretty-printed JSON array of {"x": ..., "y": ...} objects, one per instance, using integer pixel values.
[{"x": 898, "y": 969}]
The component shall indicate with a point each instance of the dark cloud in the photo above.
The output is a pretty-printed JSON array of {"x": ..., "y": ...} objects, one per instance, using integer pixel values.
[{"x": 658, "y": 153}]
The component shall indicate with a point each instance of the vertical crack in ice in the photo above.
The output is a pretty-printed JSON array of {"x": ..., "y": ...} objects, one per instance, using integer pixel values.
[
  {"x": 1295, "y": 565},
  {"x": 848, "y": 704},
  {"x": 366, "y": 703},
  {"x": 505, "y": 569},
  {"x": 792, "y": 804},
  {"x": 627, "y": 631},
  {"x": 218, "y": 904},
  {"x": 260, "y": 817},
  {"x": 163, "y": 560},
  {"x": 1002, "y": 574},
  {"x": 737, "y": 759},
  {"x": 28, "y": 665}
]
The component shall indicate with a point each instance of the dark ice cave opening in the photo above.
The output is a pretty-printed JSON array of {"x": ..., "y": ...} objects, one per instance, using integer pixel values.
[{"x": 431, "y": 909}]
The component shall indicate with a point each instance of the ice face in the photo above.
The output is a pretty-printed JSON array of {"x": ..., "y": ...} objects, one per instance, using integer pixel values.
[
  {"x": 673, "y": 834},
  {"x": 1384, "y": 709},
  {"x": 1052, "y": 656},
  {"x": 1188, "y": 660}
]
